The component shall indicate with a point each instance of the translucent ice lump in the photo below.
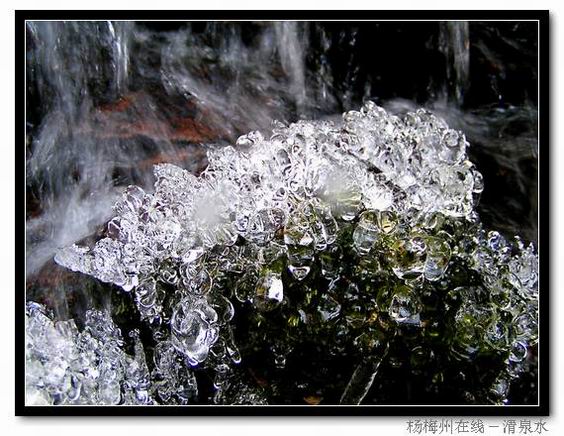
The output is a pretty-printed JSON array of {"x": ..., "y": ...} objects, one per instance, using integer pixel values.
[{"x": 403, "y": 189}]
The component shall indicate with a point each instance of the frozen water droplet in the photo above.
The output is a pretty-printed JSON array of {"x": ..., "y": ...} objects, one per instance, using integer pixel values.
[
  {"x": 263, "y": 225},
  {"x": 437, "y": 260},
  {"x": 518, "y": 352},
  {"x": 194, "y": 330},
  {"x": 367, "y": 231},
  {"x": 299, "y": 261},
  {"x": 147, "y": 299},
  {"x": 526, "y": 327},
  {"x": 478, "y": 182},
  {"x": 328, "y": 307},
  {"x": 269, "y": 292},
  {"x": 196, "y": 279},
  {"x": 404, "y": 306},
  {"x": 331, "y": 262},
  {"x": 409, "y": 257},
  {"x": 500, "y": 388}
]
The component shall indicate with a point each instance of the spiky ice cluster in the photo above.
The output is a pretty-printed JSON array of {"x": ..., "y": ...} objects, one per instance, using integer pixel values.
[
  {"x": 377, "y": 199},
  {"x": 68, "y": 367}
]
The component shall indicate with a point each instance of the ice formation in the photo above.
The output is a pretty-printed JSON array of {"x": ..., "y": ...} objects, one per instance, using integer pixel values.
[
  {"x": 68, "y": 367},
  {"x": 397, "y": 195}
]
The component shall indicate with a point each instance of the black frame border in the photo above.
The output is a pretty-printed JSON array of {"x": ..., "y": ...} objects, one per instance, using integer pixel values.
[{"x": 542, "y": 409}]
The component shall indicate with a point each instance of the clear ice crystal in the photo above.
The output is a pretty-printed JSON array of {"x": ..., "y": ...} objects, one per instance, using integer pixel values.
[
  {"x": 65, "y": 366},
  {"x": 269, "y": 293},
  {"x": 305, "y": 177},
  {"x": 194, "y": 329},
  {"x": 174, "y": 382}
]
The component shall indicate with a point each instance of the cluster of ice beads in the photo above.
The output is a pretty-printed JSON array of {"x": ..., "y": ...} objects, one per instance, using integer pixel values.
[{"x": 374, "y": 218}]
